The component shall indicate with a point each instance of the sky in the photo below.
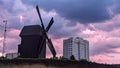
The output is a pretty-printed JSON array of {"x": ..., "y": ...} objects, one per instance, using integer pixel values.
[{"x": 97, "y": 21}]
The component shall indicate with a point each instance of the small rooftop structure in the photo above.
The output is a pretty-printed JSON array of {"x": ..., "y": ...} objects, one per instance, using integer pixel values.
[{"x": 12, "y": 55}]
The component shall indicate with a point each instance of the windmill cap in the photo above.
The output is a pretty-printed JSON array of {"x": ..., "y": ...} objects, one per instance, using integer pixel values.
[{"x": 31, "y": 30}]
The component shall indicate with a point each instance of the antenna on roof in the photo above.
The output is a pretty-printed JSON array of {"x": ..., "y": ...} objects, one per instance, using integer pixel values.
[{"x": 4, "y": 40}]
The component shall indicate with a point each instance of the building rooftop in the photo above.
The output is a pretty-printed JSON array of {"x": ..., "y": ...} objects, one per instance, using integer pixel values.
[{"x": 31, "y": 30}]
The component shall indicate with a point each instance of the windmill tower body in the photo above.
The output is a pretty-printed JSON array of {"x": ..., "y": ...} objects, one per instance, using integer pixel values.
[{"x": 31, "y": 37}]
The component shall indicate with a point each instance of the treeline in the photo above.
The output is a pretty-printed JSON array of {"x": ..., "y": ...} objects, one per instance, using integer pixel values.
[{"x": 58, "y": 62}]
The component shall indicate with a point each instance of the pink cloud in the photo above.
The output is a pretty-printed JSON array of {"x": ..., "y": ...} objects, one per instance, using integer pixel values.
[
  {"x": 13, "y": 33},
  {"x": 106, "y": 58},
  {"x": 12, "y": 40}
]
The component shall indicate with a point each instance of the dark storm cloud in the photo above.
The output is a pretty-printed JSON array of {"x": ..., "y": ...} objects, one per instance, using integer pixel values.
[
  {"x": 60, "y": 30},
  {"x": 0, "y": 2},
  {"x": 7, "y": 13},
  {"x": 7, "y": 5},
  {"x": 84, "y": 11},
  {"x": 62, "y": 33}
]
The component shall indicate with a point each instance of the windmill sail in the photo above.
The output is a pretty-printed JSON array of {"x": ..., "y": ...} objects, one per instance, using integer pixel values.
[
  {"x": 50, "y": 24},
  {"x": 50, "y": 45}
]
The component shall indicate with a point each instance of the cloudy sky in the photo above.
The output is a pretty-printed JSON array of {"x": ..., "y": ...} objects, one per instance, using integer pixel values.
[{"x": 97, "y": 21}]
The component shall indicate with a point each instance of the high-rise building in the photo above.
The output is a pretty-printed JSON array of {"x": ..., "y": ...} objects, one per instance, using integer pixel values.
[{"x": 77, "y": 47}]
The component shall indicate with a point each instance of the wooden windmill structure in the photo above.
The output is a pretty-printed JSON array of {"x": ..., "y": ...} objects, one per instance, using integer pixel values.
[{"x": 34, "y": 39}]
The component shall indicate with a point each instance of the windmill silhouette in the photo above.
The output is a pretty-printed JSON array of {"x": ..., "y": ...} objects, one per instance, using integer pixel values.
[{"x": 34, "y": 39}]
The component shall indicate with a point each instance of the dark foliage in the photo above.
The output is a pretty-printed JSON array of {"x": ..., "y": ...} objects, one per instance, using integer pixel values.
[
  {"x": 57, "y": 63},
  {"x": 72, "y": 57}
]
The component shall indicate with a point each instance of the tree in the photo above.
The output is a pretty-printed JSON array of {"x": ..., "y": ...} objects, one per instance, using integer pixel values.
[
  {"x": 72, "y": 57},
  {"x": 83, "y": 60},
  {"x": 62, "y": 58},
  {"x": 54, "y": 58},
  {"x": 2, "y": 57}
]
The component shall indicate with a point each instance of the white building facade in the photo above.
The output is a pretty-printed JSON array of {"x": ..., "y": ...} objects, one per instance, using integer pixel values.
[{"x": 76, "y": 46}]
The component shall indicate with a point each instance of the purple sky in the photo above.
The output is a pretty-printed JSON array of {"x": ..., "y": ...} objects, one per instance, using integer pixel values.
[{"x": 97, "y": 21}]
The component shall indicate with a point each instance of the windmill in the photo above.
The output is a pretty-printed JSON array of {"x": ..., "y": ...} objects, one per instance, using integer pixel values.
[
  {"x": 34, "y": 39},
  {"x": 45, "y": 36}
]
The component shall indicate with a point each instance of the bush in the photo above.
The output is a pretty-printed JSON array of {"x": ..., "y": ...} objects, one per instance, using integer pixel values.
[
  {"x": 54, "y": 58},
  {"x": 83, "y": 60},
  {"x": 72, "y": 57},
  {"x": 62, "y": 58}
]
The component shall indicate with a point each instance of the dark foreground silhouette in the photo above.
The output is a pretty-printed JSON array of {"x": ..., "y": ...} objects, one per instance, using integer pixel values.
[{"x": 54, "y": 63}]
